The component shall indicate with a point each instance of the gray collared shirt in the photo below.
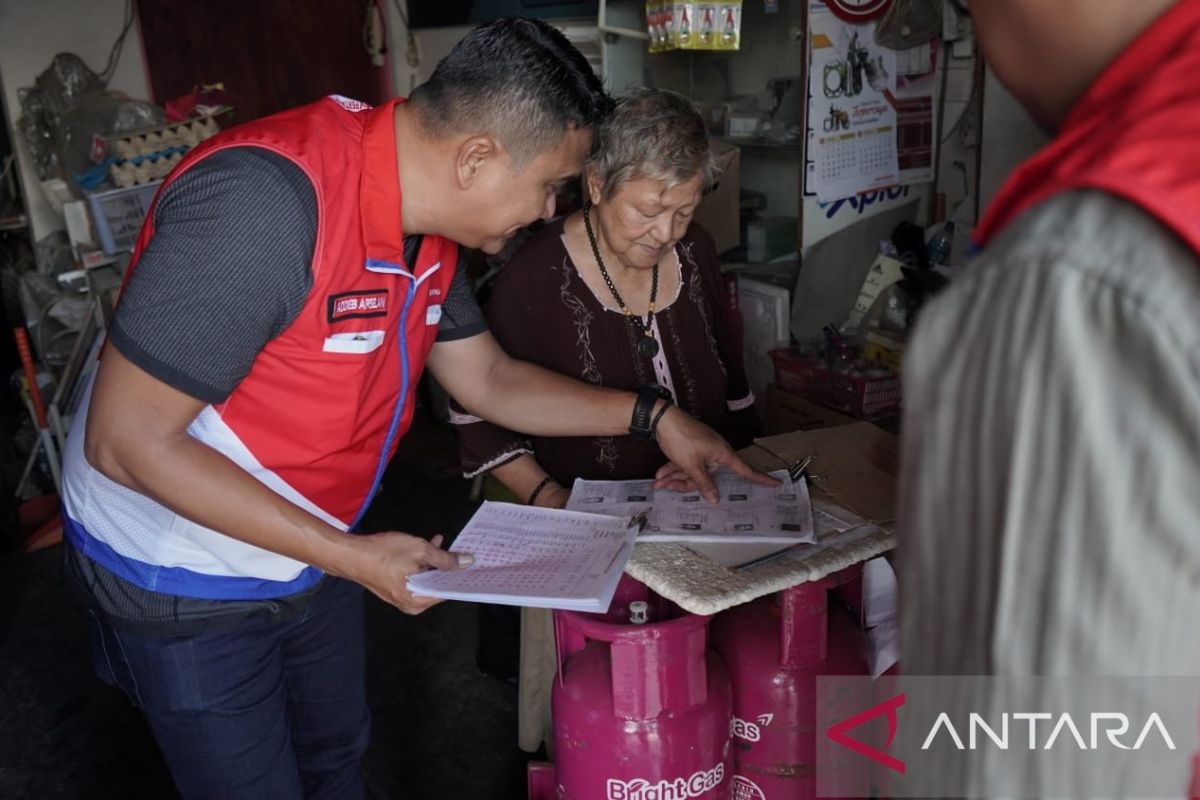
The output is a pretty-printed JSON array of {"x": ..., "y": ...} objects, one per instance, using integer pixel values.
[
  {"x": 1050, "y": 499},
  {"x": 1049, "y": 515}
]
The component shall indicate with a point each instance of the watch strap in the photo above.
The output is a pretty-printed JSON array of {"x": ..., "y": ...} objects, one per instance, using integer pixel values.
[{"x": 641, "y": 425}]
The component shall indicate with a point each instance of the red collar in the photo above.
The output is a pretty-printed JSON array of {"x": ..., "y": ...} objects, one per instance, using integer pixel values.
[
  {"x": 1133, "y": 133},
  {"x": 379, "y": 196}
]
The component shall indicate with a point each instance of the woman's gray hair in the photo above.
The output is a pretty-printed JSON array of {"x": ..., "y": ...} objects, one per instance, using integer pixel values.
[{"x": 653, "y": 133}]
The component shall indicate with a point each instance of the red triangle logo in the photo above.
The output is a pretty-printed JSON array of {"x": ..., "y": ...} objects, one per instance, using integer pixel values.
[{"x": 837, "y": 733}]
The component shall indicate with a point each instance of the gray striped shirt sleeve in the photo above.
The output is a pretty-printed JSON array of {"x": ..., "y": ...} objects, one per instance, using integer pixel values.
[{"x": 1051, "y": 468}]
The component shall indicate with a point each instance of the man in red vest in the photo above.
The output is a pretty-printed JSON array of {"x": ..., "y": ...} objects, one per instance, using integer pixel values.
[
  {"x": 1051, "y": 469},
  {"x": 294, "y": 277}
]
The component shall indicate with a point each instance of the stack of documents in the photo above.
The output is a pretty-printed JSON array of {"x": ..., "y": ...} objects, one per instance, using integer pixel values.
[
  {"x": 572, "y": 559},
  {"x": 747, "y": 511}
]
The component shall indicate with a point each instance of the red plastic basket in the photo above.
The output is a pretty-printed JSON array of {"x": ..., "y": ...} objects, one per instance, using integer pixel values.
[{"x": 857, "y": 394}]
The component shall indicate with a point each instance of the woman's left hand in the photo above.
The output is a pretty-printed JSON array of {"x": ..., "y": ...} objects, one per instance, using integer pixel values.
[{"x": 555, "y": 497}]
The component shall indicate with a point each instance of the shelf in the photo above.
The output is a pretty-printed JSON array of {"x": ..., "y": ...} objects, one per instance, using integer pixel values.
[
  {"x": 626, "y": 32},
  {"x": 695, "y": 55},
  {"x": 763, "y": 144}
]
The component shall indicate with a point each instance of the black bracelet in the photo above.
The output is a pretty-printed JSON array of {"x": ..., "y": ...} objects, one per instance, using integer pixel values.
[
  {"x": 657, "y": 417},
  {"x": 538, "y": 490}
]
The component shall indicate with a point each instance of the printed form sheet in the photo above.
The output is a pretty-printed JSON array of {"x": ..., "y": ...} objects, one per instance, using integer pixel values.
[
  {"x": 538, "y": 557},
  {"x": 746, "y": 511}
]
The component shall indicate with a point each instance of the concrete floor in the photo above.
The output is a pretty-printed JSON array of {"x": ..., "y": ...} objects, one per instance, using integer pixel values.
[{"x": 441, "y": 729}]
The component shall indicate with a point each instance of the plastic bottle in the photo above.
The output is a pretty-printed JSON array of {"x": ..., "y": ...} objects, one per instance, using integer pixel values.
[{"x": 941, "y": 244}]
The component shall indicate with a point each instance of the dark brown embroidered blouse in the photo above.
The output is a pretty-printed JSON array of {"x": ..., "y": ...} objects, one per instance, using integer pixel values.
[{"x": 541, "y": 311}]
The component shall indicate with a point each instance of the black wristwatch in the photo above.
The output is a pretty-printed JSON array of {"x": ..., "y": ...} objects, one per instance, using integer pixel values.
[{"x": 641, "y": 427}]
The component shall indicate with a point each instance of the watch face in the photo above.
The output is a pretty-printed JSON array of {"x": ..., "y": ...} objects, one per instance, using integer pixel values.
[{"x": 858, "y": 10}]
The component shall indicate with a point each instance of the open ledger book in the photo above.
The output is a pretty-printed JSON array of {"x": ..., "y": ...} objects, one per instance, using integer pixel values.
[{"x": 538, "y": 557}]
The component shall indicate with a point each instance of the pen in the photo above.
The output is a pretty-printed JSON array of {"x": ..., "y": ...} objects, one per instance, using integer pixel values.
[{"x": 796, "y": 471}]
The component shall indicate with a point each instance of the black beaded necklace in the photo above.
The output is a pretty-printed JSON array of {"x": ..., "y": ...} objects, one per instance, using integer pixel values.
[{"x": 647, "y": 346}]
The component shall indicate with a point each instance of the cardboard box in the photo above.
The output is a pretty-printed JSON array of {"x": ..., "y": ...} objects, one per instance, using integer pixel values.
[
  {"x": 720, "y": 210},
  {"x": 787, "y": 413},
  {"x": 858, "y": 465}
]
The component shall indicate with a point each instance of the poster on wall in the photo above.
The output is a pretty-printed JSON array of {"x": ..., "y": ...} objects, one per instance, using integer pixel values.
[
  {"x": 852, "y": 141},
  {"x": 915, "y": 101}
]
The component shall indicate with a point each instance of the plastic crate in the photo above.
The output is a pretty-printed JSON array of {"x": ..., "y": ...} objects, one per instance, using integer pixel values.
[
  {"x": 118, "y": 215},
  {"x": 865, "y": 396}
]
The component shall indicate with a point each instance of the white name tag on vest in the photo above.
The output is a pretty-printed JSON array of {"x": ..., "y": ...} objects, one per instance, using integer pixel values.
[
  {"x": 360, "y": 342},
  {"x": 433, "y": 315}
]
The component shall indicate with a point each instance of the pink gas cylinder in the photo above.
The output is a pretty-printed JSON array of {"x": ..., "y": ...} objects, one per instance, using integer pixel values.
[
  {"x": 541, "y": 780},
  {"x": 641, "y": 704},
  {"x": 775, "y": 648}
]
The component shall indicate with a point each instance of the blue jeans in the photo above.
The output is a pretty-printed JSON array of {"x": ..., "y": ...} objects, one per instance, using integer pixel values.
[{"x": 267, "y": 708}]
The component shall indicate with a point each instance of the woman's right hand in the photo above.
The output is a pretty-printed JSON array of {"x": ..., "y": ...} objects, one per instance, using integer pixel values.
[{"x": 697, "y": 451}]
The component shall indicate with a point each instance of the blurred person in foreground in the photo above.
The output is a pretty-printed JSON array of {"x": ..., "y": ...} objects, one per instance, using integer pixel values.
[{"x": 1050, "y": 488}]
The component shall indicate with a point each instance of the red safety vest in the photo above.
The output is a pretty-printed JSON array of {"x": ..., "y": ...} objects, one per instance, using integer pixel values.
[{"x": 327, "y": 401}]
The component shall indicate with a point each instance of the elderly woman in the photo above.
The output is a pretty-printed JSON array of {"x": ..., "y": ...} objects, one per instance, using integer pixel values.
[{"x": 623, "y": 293}]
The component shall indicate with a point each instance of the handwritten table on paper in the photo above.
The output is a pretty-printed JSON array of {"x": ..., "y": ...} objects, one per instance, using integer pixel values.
[{"x": 535, "y": 557}]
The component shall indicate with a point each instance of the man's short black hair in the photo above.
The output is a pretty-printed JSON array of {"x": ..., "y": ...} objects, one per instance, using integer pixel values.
[{"x": 517, "y": 79}]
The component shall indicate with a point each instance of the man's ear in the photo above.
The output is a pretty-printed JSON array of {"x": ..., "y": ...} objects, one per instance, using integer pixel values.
[{"x": 473, "y": 154}]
